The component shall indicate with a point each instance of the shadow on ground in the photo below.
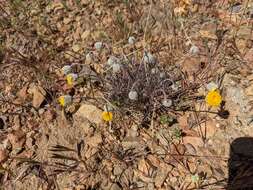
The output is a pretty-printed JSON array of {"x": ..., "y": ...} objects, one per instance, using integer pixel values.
[{"x": 241, "y": 164}]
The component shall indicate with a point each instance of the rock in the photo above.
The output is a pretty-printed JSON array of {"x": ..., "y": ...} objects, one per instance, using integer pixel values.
[
  {"x": 190, "y": 149},
  {"x": 67, "y": 20},
  {"x": 117, "y": 170},
  {"x": 85, "y": 116},
  {"x": 162, "y": 174},
  {"x": 144, "y": 167},
  {"x": 89, "y": 112},
  {"x": 153, "y": 160},
  {"x": 76, "y": 48},
  {"x": 95, "y": 140},
  {"x": 249, "y": 56},
  {"x": 3, "y": 155},
  {"x": 194, "y": 141},
  {"x": 29, "y": 142},
  {"x": 115, "y": 187},
  {"x": 150, "y": 186},
  {"x": 130, "y": 142},
  {"x": 85, "y": 34},
  {"x": 17, "y": 139},
  {"x": 133, "y": 131},
  {"x": 163, "y": 136},
  {"x": 208, "y": 128},
  {"x": 249, "y": 91},
  {"x": 22, "y": 93},
  {"x": 5, "y": 144},
  {"x": 49, "y": 115},
  {"x": 39, "y": 95},
  {"x": 17, "y": 123}
]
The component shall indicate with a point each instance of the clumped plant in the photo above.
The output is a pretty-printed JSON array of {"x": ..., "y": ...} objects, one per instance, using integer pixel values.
[{"x": 144, "y": 86}]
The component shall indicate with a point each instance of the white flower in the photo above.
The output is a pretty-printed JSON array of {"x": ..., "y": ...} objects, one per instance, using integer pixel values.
[
  {"x": 66, "y": 69},
  {"x": 133, "y": 95},
  {"x": 167, "y": 102},
  {"x": 149, "y": 58},
  {"x": 131, "y": 40},
  {"x": 98, "y": 45},
  {"x": 116, "y": 67},
  {"x": 194, "y": 50}
]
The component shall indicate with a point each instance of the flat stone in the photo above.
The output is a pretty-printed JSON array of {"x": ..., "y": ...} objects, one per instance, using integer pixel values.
[
  {"x": 89, "y": 112},
  {"x": 95, "y": 140},
  {"x": 39, "y": 95},
  {"x": 162, "y": 174}
]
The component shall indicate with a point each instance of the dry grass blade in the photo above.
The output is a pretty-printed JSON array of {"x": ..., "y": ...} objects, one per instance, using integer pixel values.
[
  {"x": 58, "y": 156},
  {"x": 60, "y": 148}
]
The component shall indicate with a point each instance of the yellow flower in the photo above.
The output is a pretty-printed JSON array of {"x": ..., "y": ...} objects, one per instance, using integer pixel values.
[
  {"x": 213, "y": 98},
  {"x": 71, "y": 78},
  {"x": 64, "y": 100},
  {"x": 107, "y": 116}
]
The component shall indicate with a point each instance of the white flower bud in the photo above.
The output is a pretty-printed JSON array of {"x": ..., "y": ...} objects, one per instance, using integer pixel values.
[
  {"x": 108, "y": 108},
  {"x": 167, "y": 102},
  {"x": 66, "y": 69},
  {"x": 154, "y": 71},
  {"x": 88, "y": 57},
  {"x": 149, "y": 58},
  {"x": 162, "y": 75},
  {"x": 116, "y": 67},
  {"x": 211, "y": 86},
  {"x": 194, "y": 50},
  {"x": 174, "y": 87},
  {"x": 98, "y": 45},
  {"x": 131, "y": 40},
  {"x": 133, "y": 95},
  {"x": 112, "y": 60}
]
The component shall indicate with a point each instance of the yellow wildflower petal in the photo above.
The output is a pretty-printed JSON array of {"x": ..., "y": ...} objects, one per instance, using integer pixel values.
[
  {"x": 107, "y": 116},
  {"x": 213, "y": 98},
  {"x": 65, "y": 100},
  {"x": 69, "y": 79},
  {"x": 61, "y": 100}
]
